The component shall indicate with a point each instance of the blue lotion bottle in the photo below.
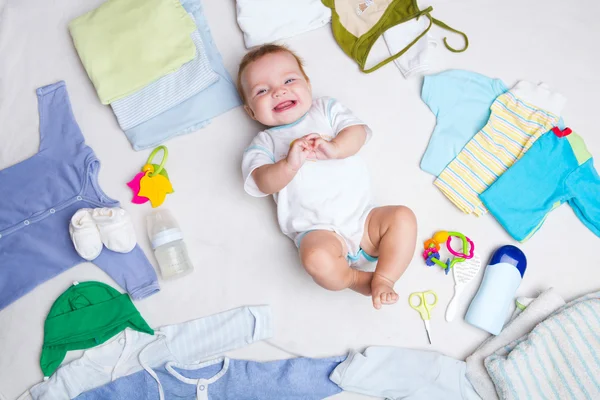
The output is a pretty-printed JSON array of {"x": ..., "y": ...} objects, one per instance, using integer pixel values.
[{"x": 502, "y": 277}]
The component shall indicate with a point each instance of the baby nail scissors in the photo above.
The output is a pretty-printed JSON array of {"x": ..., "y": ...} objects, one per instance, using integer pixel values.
[{"x": 424, "y": 307}]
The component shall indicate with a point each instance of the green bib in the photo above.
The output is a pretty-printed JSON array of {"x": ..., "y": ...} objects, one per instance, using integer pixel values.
[{"x": 357, "y": 24}]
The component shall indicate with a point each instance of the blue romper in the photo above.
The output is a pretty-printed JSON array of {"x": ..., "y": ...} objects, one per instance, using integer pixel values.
[{"x": 39, "y": 197}]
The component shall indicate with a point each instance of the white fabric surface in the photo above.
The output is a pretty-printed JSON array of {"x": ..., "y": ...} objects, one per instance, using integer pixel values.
[
  {"x": 331, "y": 195},
  {"x": 266, "y": 21},
  {"x": 240, "y": 256}
]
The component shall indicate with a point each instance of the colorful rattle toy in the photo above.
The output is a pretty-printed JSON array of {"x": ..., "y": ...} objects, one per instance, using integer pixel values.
[
  {"x": 153, "y": 182},
  {"x": 432, "y": 246}
]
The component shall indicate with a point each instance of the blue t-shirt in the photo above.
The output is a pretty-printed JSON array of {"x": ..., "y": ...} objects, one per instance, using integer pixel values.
[{"x": 461, "y": 102}]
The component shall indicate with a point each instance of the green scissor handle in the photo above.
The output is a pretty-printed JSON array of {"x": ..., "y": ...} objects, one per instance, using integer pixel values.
[{"x": 423, "y": 307}]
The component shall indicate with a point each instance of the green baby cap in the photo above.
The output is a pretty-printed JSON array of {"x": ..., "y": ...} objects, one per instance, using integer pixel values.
[
  {"x": 86, "y": 315},
  {"x": 357, "y": 24}
]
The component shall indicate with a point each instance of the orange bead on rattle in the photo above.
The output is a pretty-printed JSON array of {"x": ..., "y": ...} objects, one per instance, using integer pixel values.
[{"x": 432, "y": 247}]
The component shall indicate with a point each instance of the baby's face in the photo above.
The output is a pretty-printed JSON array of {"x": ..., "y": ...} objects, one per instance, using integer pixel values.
[{"x": 277, "y": 93}]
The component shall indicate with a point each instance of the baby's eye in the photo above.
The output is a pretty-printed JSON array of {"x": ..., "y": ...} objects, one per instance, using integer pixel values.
[
  {"x": 261, "y": 91},
  {"x": 289, "y": 81}
]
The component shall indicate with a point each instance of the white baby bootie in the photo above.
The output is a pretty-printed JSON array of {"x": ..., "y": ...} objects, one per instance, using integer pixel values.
[
  {"x": 85, "y": 234},
  {"x": 116, "y": 229}
]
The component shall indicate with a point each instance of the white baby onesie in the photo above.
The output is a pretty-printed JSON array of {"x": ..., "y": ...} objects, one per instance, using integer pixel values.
[
  {"x": 333, "y": 195},
  {"x": 266, "y": 21}
]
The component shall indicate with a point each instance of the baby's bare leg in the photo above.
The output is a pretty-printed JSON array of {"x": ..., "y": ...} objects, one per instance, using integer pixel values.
[
  {"x": 323, "y": 255},
  {"x": 390, "y": 234}
]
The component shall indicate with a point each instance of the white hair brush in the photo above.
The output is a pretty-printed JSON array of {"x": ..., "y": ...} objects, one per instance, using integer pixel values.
[{"x": 463, "y": 273}]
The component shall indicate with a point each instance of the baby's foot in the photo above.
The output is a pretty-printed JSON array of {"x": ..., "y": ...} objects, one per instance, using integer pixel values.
[{"x": 382, "y": 291}]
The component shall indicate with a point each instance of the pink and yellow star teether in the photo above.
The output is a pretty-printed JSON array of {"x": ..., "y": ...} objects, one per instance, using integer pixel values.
[{"x": 152, "y": 184}]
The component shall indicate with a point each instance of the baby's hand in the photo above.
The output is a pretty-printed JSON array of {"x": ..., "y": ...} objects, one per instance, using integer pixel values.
[
  {"x": 321, "y": 148},
  {"x": 300, "y": 150}
]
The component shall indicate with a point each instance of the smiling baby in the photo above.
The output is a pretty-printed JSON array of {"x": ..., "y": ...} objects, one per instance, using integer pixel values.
[{"x": 307, "y": 159}]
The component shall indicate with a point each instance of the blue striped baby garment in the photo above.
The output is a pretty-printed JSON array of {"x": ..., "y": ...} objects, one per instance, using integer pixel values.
[{"x": 168, "y": 91}]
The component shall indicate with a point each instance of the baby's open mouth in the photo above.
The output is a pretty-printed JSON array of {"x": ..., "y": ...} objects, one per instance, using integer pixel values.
[{"x": 284, "y": 106}]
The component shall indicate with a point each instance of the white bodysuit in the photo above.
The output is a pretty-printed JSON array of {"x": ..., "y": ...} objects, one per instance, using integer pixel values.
[{"x": 332, "y": 195}]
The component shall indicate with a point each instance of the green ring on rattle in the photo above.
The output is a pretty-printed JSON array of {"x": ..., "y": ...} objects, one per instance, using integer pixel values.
[{"x": 162, "y": 163}]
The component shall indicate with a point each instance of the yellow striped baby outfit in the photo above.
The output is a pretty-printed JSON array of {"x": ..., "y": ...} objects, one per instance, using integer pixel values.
[{"x": 518, "y": 118}]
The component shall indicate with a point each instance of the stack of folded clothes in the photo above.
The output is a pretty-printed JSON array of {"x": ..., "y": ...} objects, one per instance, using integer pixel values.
[{"x": 155, "y": 63}]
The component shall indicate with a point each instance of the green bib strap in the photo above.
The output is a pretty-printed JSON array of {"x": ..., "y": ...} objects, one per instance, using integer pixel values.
[
  {"x": 380, "y": 31},
  {"x": 443, "y": 25},
  {"x": 356, "y": 34}
]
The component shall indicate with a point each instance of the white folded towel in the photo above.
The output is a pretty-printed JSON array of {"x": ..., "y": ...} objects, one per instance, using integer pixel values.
[{"x": 266, "y": 21}]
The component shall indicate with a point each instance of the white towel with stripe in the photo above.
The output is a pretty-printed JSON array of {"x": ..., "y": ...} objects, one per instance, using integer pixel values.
[
  {"x": 168, "y": 91},
  {"x": 558, "y": 359}
]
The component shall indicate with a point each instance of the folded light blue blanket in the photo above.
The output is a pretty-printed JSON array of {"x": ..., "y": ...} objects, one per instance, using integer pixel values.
[
  {"x": 197, "y": 111},
  {"x": 168, "y": 91}
]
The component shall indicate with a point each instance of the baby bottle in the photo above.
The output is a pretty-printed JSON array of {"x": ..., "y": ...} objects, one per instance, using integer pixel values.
[
  {"x": 502, "y": 277},
  {"x": 167, "y": 243}
]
